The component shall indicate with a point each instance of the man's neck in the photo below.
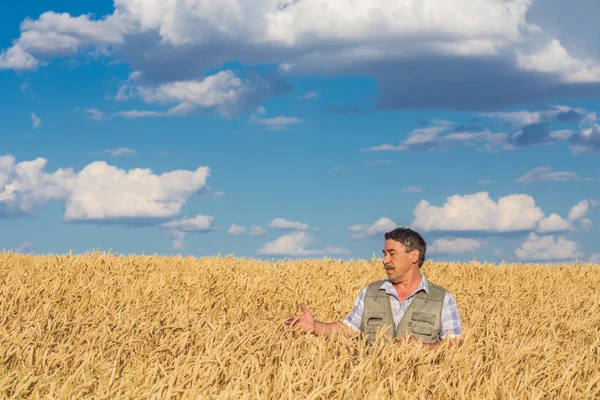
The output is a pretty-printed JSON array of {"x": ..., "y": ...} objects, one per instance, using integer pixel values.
[{"x": 409, "y": 284}]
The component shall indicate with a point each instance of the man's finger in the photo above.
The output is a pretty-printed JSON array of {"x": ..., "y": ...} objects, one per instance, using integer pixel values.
[{"x": 304, "y": 309}]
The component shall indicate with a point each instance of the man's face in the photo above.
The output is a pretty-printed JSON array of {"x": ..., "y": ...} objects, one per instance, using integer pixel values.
[{"x": 396, "y": 261}]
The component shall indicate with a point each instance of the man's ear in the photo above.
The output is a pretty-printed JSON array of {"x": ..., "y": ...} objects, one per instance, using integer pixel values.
[{"x": 414, "y": 255}]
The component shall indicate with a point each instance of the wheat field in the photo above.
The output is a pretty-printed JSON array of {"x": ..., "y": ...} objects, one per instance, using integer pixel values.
[{"x": 105, "y": 326}]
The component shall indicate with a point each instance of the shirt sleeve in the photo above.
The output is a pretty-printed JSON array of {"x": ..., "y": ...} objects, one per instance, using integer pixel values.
[
  {"x": 451, "y": 322},
  {"x": 354, "y": 318}
]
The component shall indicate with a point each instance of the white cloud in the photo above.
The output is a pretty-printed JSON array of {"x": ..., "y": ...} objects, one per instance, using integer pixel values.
[
  {"x": 18, "y": 59},
  {"x": 429, "y": 139},
  {"x": 223, "y": 92},
  {"x": 121, "y": 151},
  {"x": 543, "y": 248},
  {"x": 235, "y": 230},
  {"x": 546, "y": 174},
  {"x": 278, "y": 122},
  {"x": 257, "y": 231},
  {"x": 382, "y": 225},
  {"x": 517, "y": 118},
  {"x": 98, "y": 192},
  {"x": 554, "y": 223},
  {"x": 199, "y": 223},
  {"x": 122, "y": 94},
  {"x": 450, "y": 245},
  {"x": 280, "y": 223},
  {"x": 35, "y": 121},
  {"x": 101, "y": 191},
  {"x": 554, "y": 58},
  {"x": 484, "y": 182},
  {"x": 25, "y": 186},
  {"x": 411, "y": 189},
  {"x": 378, "y": 162},
  {"x": 579, "y": 210},
  {"x": 478, "y": 212},
  {"x": 586, "y": 223},
  {"x": 595, "y": 258},
  {"x": 521, "y": 118},
  {"x": 170, "y": 39},
  {"x": 587, "y": 139},
  {"x": 295, "y": 244},
  {"x": 562, "y": 134},
  {"x": 242, "y": 230},
  {"x": 57, "y": 35},
  {"x": 178, "y": 239},
  {"x": 94, "y": 113}
]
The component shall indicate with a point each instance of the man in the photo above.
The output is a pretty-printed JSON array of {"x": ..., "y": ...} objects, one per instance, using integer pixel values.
[{"x": 405, "y": 305}]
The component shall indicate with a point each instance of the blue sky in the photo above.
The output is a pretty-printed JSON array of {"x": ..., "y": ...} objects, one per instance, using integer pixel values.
[{"x": 301, "y": 129}]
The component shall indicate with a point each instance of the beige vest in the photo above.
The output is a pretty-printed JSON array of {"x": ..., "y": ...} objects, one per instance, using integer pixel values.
[{"x": 423, "y": 317}]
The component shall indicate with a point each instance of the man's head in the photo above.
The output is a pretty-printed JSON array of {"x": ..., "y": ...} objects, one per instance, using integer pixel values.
[{"x": 404, "y": 249}]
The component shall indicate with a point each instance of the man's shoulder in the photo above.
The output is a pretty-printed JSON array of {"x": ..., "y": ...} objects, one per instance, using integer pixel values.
[
  {"x": 374, "y": 286},
  {"x": 437, "y": 291}
]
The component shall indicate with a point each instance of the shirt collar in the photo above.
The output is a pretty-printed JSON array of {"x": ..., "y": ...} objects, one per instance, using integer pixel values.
[{"x": 389, "y": 289}]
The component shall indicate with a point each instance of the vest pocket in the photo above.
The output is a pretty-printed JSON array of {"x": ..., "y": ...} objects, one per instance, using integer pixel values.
[
  {"x": 421, "y": 328},
  {"x": 423, "y": 317}
]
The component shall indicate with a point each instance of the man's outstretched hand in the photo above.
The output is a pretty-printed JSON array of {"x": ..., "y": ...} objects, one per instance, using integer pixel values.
[{"x": 304, "y": 321}]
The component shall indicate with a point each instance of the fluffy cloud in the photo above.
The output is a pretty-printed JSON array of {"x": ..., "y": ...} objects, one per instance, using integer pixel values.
[
  {"x": 99, "y": 192},
  {"x": 181, "y": 40},
  {"x": 236, "y": 230},
  {"x": 580, "y": 209},
  {"x": 25, "y": 186},
  {"x": 450, "y": 245},
  {"x": 178, "y": 239},
  {"x": 280, "y": 223},
  {"x": 554, "y": 223},
  {"x": 546, "y": 248},
  {"x": 546, "y": 174},
  {"x": 295, "y": 244},
  {"x": 382, "y": 225},
  {"x": 223, "y": 93},
  {"x": 587, "y": 139},
  {"x": 478, "y": 212},
  {"x": 199, "y": 223},
  {"x": 177, "y": 229},
  {"x": 554, "y": 58}
]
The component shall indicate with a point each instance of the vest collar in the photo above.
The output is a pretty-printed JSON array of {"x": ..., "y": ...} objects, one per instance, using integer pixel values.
[{"x": 389, "y": 288}]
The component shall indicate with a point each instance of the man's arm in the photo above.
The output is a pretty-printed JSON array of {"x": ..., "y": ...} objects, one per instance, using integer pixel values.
[
  {"x": 307, "y": 323},
  {"x": 333, "y": 329},
  {"x": 349, "y": 327}
]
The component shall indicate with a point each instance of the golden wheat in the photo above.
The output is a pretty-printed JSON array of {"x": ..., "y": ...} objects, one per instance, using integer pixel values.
[{"x": 115, "y": 327}]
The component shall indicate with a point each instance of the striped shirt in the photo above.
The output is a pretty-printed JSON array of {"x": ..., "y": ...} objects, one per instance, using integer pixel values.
[{"x": 450, "y": 315}]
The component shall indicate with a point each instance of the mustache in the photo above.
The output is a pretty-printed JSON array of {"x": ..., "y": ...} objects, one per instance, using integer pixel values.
[{"x": 388, "y": 266}]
